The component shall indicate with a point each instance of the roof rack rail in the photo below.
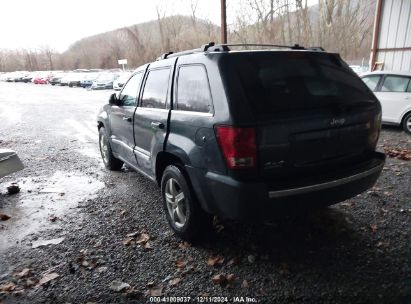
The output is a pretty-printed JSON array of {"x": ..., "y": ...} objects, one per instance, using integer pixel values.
[
  {"x": 203, "y": 48},
  {"x": 212, "y": 47},
  {"x": 316, "y": 48},
  {"x": 226, "y": 46}
]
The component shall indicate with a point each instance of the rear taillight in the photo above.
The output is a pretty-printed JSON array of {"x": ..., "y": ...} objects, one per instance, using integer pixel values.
[{"x": 238, "y": 146}]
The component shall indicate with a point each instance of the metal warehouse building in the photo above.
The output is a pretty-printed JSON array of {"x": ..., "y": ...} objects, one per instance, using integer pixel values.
[{"x": 391, "y": 47}]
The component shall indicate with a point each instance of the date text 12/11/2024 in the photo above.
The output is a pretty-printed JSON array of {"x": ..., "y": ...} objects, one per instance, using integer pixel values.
[{"x": 203, "y": 299}]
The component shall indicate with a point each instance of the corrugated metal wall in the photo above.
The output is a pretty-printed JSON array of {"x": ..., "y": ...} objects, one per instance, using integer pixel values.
[{"x": 394, "y": 45}]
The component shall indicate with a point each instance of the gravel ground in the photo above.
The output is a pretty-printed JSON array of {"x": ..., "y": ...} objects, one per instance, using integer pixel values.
[{"x": 116, "y": 247}]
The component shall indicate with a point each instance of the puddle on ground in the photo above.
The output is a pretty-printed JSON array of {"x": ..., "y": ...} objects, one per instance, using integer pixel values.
[{"x": 42, "y": 204}]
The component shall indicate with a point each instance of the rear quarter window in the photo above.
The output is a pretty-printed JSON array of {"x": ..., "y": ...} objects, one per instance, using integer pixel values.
[
  {"x": 193, "y": 90},
  {"x": 395, "y": 84}
]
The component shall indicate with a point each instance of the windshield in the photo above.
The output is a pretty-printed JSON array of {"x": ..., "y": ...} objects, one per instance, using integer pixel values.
[{"x": 290, "y": 80}]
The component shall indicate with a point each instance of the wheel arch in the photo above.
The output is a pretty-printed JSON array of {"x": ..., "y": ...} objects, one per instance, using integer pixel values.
[{"x": 164, "y": 159}]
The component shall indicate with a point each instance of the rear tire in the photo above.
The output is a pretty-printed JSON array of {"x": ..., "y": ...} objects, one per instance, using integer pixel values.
[
  {"x": 183, "y": 212},
  {"x": 406, "y": 123},
  {"x": 110, "y": 162}
]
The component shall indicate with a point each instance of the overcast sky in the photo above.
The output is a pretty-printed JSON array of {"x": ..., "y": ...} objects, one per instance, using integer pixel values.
[{"x": 59, "y": 23}]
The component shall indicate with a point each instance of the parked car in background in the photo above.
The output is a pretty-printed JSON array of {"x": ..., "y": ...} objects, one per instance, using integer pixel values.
[
  {"x": 65, "y": 79},
  {"x": 21, "y": 76},
  {"x": 244, "y": 134},
  {"x": 28, "y": 78},
  {"x": 56, "y": 78},
  {"x": 121, "y": 80},
  {"x": 88, "y": 79},
  {"x": 75, "y": 79},
  {"x": 104, "y": 81},
  {"x": 15, "y": 76},
  {"x": 41, "y": 78},
  {"x": 393, "y": 90}
]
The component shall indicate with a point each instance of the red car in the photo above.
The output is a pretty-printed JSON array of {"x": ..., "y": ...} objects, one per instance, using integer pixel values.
[{"x": 40, "y": 79}]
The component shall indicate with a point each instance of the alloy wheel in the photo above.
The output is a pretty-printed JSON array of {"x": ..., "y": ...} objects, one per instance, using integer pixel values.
[{"x": 176, "y": 203}]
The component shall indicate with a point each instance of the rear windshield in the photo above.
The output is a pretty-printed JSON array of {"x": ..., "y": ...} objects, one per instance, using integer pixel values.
[{"x": 277, "y": 81}]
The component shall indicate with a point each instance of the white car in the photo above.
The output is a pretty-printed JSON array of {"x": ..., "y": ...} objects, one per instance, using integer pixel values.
[{"x": 393, "y": 90}]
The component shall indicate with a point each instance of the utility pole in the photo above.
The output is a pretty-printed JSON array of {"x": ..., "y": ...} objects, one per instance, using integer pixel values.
[{"x": 223, "y": 22}]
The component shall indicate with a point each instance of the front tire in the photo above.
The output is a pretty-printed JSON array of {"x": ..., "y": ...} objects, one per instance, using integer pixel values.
[
  {"x": 110, "y": 162},
  {"x": 183, "y": 212},
  {"x": 406, "y": 123}
]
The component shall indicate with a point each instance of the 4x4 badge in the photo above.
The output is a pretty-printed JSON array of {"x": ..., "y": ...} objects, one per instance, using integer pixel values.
[{"x": 337, "y": 121}]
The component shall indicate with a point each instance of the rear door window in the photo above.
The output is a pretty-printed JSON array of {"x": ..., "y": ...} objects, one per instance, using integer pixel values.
[
  {"x": 155, "y": 89},
  {"x": 395, "y": 84},
  {"x": 193, "y": 91},
  {"x": 372, "y": 81},
  {"x": 282, "y": 81}
]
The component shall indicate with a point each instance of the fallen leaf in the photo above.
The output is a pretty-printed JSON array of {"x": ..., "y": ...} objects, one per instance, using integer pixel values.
[
  {"x": 119, "y": 286},
  {"x": 174, "y": 281},
  {"x": 144, "y": 237},
  {"x": 18, "y": 292},
  {"x": 216, "y": 260},
  {"x": 132, "y": 235},
  {"x": 25, "y": 272},
  {"x": 245, "y": 284},
  {"x": 7, "y": 287},
  {"x": 147, "y": 246},
  {"x": 347, "y": 204},
  {"x": 184, "y": 245},
  {"x": 4, "y": 217},
  {"x": 124, "y": 211},
  {"x": 230, "y": 278},
  {"x": 284, "y": 268},
  {"x": 47, "y": 278},
  {"x": 30, "y": 282},
  {"x": 155, "y": 291},
  {"x": 380, "y": 244},
  {"x": 181, "y": 263},
  {"x": 401, "y": 154},
  {"x": 220, "y": 279},
  {"x": 233, "y": 261},
  {"x": 373, "y": 228},
  {"x": 127, "y": 241}
]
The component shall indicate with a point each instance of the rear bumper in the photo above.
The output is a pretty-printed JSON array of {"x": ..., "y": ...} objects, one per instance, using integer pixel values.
[{"x": 230, "y": 198}]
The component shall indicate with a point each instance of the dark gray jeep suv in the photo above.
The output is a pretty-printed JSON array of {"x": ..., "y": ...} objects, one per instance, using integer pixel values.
[{"x": 244, "y": 134}]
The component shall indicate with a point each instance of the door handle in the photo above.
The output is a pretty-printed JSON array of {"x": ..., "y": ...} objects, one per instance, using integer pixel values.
[
  {"x": 127, "y": 118},
  {"x": 157, "y": 124}
]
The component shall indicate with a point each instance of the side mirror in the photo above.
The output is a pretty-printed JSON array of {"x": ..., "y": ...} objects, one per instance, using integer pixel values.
[{"x": 113, "y": 99}]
